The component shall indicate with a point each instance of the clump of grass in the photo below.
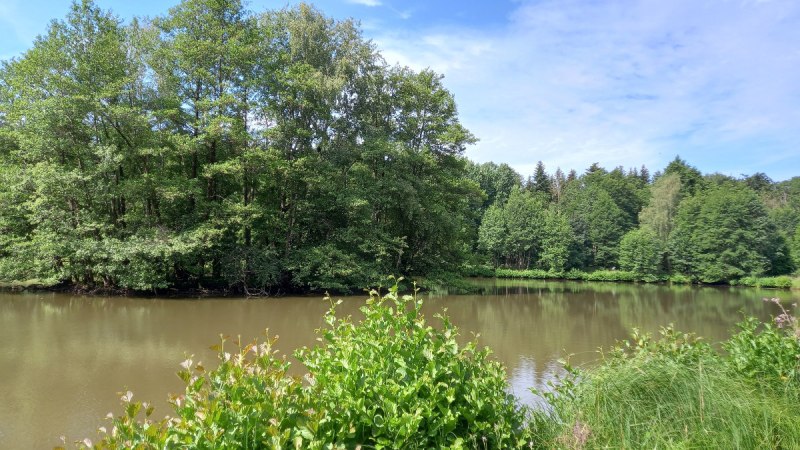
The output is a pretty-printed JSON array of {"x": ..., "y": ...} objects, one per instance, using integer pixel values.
[
  {"x": 679, "y": 392},
  {"x": 664, "y": 403}
]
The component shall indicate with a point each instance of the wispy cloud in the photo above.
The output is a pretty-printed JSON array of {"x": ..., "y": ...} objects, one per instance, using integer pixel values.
[
  {"x": 624, "y": 83},
  {"x": 365, "y": 2}
]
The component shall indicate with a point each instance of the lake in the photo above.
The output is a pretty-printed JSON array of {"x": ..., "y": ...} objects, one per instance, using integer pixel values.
[{"x": 65, "y": 359}]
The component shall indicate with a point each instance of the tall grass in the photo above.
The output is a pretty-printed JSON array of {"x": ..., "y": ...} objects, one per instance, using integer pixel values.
[
  {"x": 679, "y": 392},
  {"x": 664, "y": 403}
]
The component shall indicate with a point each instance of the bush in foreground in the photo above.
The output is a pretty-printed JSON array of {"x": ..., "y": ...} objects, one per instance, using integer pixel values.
[{"x": 390, "y": 381}]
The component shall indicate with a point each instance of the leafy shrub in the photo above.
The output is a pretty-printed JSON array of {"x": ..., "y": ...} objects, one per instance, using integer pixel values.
[
  {"x": 781, "y": 282},
  {"x": 574, "y": 274},
  {"x": 393, "y": 381},
  {"x": 680, "y": 279},
  {"x": 390, "y": 381},
  {"x": 533, "y": 274},
  {"x": 767, "y": 352},
  {"x": 479, "y": 271},
  {"x": 610, "y": 275}
]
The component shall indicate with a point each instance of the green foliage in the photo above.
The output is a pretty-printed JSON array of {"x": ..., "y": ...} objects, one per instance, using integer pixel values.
[
  {"x": 767, "y": 352},
  {"x": 512, "y": 233},
  {"x": 598, "y": 223},
  {"x": 691, "y": 180},
  {"x": 556, "y": 240},
  {"x": 393, "y": 381},
  {"x": 680, "y": 279},
  {"x": 495, "y": 180},
  {"x": 389, "y": 381},
  {"x": 218, "y": 148},
  {"x": 534, "y": 274},
  {"x": 597, "y": 275},
  {"x": 679, "y": 392},
  {"x": 640, "y": 252},
  {"x": 659, "y": 214},
  {"x": 723, "y": 233},
  {"x": 782, "y": 282},
  {"x": 796, "y": 247},
  {"x": 611, "y": 275}
]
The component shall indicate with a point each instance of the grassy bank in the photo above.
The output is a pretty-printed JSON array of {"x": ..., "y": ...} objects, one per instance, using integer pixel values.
[
  {"x": 676, "y": 391},
  {"x": 780, "y": 282}
]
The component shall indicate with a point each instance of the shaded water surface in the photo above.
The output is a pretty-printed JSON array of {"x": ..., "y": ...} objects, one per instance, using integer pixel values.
[{"x": 64, "y": 359}]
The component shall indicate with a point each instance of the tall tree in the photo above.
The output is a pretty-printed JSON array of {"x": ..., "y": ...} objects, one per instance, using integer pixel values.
[
  {"x": 557, "y": 237},
  {"x": 722, "y": 234},
  {"x": 541, "y": 182},
  {"x": 640, "y": 251},
  {"x": 660, "y": 212}
]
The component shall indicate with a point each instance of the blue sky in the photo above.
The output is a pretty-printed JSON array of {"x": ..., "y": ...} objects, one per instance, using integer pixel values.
[{"x": 619, "y": 82}]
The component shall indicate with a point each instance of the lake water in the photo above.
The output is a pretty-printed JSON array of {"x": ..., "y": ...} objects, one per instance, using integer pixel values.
[{"x": 65, "y": 359}]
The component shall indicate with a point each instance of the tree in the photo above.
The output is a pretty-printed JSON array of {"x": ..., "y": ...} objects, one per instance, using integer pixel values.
[
  {"x": 218, "y": 148},
  {"x": 691, "y": 178},
  {"x": 640, "y": 252},
  {"x": 541, "y": 182},
  {"x": 659, "y": 214},
  {"x": 796, "y": 248},
  {"x": 723, "y": 233},
  {"x": 492, "y": 234},
  {"x": 557, "y": 237},
  {"x": 559, "y": 185},
  {"x": 598, "y": 225},
  {"x": 495, "y": 180},
  {"x": 524, "y": 219}
]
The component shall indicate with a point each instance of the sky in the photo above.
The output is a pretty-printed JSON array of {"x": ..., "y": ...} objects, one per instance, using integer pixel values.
[{"x": 573, "y": 82}]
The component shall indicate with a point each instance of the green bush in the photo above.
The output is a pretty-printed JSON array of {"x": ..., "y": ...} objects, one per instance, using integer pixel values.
[
  {"x": 533, "y": 274},
  {"x": 390, "y": 381},
  {"x": 766, "y": 352},
  {"x": 611, "y": 275},
  {"x": 680, "y": 279},
  {"x": 478, "y": 271},
  {"x": 393, "y": 381},
  {"x": 781, "y": 282},
  {"x": 574, "y": 274}
]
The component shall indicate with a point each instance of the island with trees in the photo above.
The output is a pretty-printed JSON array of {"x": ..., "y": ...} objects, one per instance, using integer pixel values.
[{"x": 215, "y": 148}]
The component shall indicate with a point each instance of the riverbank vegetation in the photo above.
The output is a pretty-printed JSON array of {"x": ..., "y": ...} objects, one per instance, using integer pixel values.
[
  {"x": 215, "y": 148},
  {"x": 394, "y": 381}
]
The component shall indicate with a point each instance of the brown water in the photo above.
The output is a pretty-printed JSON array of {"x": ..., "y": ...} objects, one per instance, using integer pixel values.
[{"x": 64, "y": 359}]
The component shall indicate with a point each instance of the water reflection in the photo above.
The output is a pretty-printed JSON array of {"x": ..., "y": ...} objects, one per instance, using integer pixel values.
[{"x": 64, "y": 358}]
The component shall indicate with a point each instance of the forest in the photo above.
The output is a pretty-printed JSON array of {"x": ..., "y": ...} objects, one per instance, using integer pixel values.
[{"x": 223, "y": 149}]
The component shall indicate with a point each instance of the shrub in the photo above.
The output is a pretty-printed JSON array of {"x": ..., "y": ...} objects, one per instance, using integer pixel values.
[
  {"x": 680, "y": 279},
  {"x": 781, "y": 282},
  {"x": 390, "y": 381},
  {"x": 767, "y": 352},
  {"x": 610, "y": 275},
  {"x": 533, "y": 274},
  {"x": 393, "y": 381}
]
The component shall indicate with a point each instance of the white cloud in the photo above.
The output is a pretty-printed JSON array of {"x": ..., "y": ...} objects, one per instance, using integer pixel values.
[
  {"x": 621, "y": 83},
  {"x": 365, "y": 2}
]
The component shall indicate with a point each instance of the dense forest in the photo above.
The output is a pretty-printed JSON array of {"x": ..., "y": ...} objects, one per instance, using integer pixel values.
[{"x": 218, "y": 148}]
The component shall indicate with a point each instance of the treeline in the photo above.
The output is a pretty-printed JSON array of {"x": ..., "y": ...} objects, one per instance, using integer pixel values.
[
  {"x": 710, "y": 228},
  {"x": 218, "y": 148}
]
